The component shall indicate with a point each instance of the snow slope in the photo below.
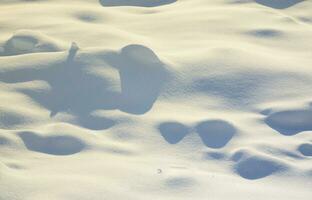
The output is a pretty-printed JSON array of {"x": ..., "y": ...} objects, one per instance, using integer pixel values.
[{"x": 155, "y": 99}]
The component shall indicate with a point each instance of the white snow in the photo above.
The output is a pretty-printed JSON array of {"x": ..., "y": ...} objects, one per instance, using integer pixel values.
[{"x": 155, "y": 99}]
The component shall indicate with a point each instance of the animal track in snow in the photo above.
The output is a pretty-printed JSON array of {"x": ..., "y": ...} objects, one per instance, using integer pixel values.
[
  {"x": 145, "y": 3},
  {"x": 290, "y": 122},
  {"x": 253, "y": 166},
  {"x": 173, "y": 132},
  {"x": 213, "y": 133},
  {"x": 276, "y": 4},
  {"x": 96, "y": 123},
  {"x": 305, "y": 149},
  {"x": 53, "y": 145}
]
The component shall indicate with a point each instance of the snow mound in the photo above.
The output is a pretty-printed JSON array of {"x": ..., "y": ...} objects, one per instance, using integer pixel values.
[{"x": 27, "y": 41}]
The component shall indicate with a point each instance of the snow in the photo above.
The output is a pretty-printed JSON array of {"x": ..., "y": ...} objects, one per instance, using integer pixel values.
[{"x": 155, "y": 99}]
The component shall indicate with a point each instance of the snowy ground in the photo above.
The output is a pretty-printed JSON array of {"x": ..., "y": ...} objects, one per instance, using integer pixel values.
[{"x": 155, "y": 99}]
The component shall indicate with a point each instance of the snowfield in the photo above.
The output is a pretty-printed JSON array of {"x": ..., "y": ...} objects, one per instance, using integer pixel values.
[{"x": 155, "y": 99}]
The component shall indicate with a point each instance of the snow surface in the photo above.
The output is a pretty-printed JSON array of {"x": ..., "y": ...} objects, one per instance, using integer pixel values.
[{"x": 155, "y": 99}]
